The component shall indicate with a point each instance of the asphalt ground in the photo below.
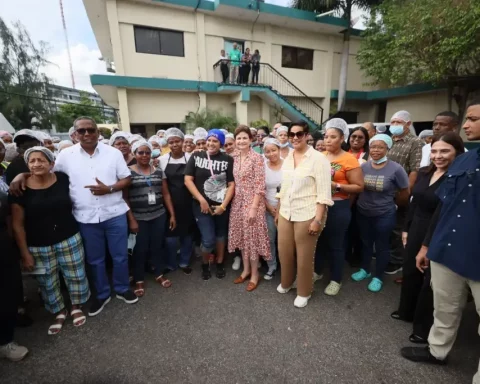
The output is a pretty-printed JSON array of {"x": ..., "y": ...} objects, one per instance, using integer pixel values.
[{"x": 216, "y": 332}]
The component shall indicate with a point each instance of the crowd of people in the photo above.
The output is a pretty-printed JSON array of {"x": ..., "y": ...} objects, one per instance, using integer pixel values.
[
  {"x": 236, "y": 66},
  {"x": 297, "y": 202}
]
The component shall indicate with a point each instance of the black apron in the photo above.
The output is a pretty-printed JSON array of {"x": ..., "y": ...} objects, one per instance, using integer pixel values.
[{"x": 181, "y": 198}]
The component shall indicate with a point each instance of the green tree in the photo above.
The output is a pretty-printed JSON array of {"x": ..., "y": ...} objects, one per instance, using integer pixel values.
[
  {"x": 22, "y": 82},
  {"x": 344, "y": 7},
  {"x": 208, "y": 119},
  {"x": 67, "y": 113},
  {"x": 428, "y": 41},
  {"x": 259, "y": 123}
]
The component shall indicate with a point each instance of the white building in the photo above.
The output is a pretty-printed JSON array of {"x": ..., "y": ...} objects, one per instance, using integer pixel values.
[{"x": 164, "y": 54}]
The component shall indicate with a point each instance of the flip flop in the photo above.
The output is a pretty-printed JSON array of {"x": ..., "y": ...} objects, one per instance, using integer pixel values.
[
  {"x": 165, "y": 283},
  {"x": 139, "y": 289}
]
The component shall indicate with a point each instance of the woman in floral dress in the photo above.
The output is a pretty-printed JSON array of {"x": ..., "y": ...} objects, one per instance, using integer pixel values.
[{"x": 248, "y": 226}]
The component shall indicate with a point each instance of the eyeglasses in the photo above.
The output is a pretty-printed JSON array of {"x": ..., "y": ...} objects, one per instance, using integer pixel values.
[
  {"x": 82, "y": 131},
  {"x": 299, "y": 135},
  {"x": 260, "y": 135},
  {"x": 357, "y": 137},
  {"x": 143, "y": 153},
  {"x": 228, "y": 145}
]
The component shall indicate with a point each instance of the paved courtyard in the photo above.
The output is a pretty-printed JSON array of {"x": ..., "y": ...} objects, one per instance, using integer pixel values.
[{"x": 215, "y": 332}]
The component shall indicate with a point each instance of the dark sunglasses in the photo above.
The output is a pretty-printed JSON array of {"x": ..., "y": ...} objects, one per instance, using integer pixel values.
[
  {"x": 143, "y": 153},
  {"x": 299, "y": 135},
  {"x": 357, "y": 137},
  {"x": 260, "y": 135},
  {"x": 82, "y": 131}
]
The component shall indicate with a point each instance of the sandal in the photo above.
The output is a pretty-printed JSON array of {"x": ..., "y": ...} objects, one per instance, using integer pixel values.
[
  {"x": 57, "y": 327},
  {"x": 165, "y": 283},
  {"x": 139, "y": 289},
  {"x": 80, "y": 320}
]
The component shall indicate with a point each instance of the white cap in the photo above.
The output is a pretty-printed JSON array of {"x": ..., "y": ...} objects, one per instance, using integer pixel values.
[
  {"x": 402, "y": 115},
  {"x": 339, "y": 124}
]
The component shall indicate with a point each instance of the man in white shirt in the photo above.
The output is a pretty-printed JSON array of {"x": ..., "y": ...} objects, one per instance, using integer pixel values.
[
  {"x": 97, "y": 174},
  {"x": 444, "y": 122}
]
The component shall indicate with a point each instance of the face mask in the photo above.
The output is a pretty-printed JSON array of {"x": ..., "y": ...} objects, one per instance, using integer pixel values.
[
  {"x": 284, "y": 145},
  {"x": 155, "y": 153},
  {"x": 396, "y": 130},
  {"x": 380, "y": 161}
]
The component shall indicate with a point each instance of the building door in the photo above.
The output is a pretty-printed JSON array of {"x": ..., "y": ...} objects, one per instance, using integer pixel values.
[
  {"x": 228, "y": 45},
  {"x": 138, "y": 129}
]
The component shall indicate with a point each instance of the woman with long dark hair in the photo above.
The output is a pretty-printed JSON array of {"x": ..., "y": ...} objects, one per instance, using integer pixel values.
[
  {"x": 416, "y": 299},
  {"x": 357, "y": 144}
]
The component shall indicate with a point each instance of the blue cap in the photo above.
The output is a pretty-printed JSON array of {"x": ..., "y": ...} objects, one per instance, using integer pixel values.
[{"x": 218, "y": 134}]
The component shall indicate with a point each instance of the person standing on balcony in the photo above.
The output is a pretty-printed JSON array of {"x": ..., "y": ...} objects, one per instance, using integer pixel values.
[
  {"x": 224, "y": 66},
  {"x": 235, "y": 56},
  {"x": 255, "y": 66},
  {"x": 245, "y": 66}
]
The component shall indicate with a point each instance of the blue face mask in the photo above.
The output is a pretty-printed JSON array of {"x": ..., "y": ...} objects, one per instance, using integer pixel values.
[
  {"x": 155, "y": 153},
  {"x": 380, "y": 161},
  {"x": 396, "y": 130}
]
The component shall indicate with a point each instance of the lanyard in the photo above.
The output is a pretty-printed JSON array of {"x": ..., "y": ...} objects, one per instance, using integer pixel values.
[
  {"x": 210, "y": 166},
  {"x": 148, "y": 179}
]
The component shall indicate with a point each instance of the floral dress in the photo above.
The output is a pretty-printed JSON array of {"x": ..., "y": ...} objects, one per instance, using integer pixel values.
[{"x": 251, "y": 239}]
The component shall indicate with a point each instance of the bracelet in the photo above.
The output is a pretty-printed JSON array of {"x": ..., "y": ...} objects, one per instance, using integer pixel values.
[{"x": 221, "y": 206}]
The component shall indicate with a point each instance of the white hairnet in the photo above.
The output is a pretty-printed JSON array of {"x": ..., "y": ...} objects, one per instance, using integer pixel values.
[
  {"x": 225, "y": 132},
  {"x": 381, "y": 129},
  {"x": 49, "y": 154},
  {"x": 402, "y": 115},
  {"x": 339, "y": 124},
  {"x": 133, "y": 138},
  {"x": 43, "y": 136},
  {"x": 140, "y": 143},
  {"x": 196, "y": 138},
  {"x": 30, "y": 133},
  {"x": 154, "y": 139},
  {"x": 382, "y": 137},
  {"x": 229, "y": 136},
  {"x": 174, "y": 132},
  {"x": 425, "y": 133},
  {"x": 118, "y": 135},
  {"x": 10, "y": 152},
  {"x": 271, "y": 140},
  {"x": 160, "y": 131},
  {"x": 253, "y": 129},
  {"x": 200, "y": 131},
  {"x": 282, "y": 128},
  {"x": 189, "y": 137},
  {"x": 63, "y": 144}
]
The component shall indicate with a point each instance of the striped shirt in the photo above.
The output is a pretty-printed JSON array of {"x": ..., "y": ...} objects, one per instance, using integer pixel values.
[
  {"x": 305, "y": 186},
  {"x": 138, "y": 193}
]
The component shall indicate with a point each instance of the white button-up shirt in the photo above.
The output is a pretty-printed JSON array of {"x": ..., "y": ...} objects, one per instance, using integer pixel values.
[{"x": 106, "y": 164}]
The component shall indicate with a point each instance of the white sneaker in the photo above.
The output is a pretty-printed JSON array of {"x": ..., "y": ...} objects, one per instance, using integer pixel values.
[
  {"x": 269, "y": 275},
  {"x": 316, "y": 277},
  {"x": 301, "y": 302},
  {"x": 280, "y": 289},
  {"x": 13, "y": 351},
  {"x": 237, "y": 261}
]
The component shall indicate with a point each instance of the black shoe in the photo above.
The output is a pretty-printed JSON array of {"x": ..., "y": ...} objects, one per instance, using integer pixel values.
[
  {"x": 97, "y": 306},
  {"x": 220, "y": 271},
  {"x": 392, "y": 269},
  {"x": 186, "y": 270},
  {"x": 128, "y": 297},
  {"x": 206, "y": 274},
  {"x": 421, "y": 355},
  {"x": 417, "y": 339},
  {"x": 396, "y": 316},
  {"x": 23, "y": 320}
]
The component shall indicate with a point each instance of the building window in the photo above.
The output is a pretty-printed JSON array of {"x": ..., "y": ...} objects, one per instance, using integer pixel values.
[
  {"x": 300, "y": 58},
  {"x": 159, "y": 41}
]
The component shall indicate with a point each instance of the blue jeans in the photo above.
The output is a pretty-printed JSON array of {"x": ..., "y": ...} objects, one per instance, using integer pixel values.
[
  {"x": 212, "y": 229},
  {"x": 376, "y": 230},
  {"x": 150, "y": 246},
  {"x": 272, "y": 235},
  {"x": 114, "y": 232},
  {"x": 186, "y": 248},
  {"x": 332, "y": 241}
]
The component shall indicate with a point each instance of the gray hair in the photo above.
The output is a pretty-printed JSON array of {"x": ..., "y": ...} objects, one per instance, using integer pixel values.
[{"x": 84, "y": 118}]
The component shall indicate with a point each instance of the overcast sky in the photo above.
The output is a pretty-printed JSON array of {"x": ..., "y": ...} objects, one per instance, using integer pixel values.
[{"x": 42, "y": 19}]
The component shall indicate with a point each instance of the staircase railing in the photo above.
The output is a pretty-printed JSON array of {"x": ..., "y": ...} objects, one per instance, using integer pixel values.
[{"x": 269, "y": 77}]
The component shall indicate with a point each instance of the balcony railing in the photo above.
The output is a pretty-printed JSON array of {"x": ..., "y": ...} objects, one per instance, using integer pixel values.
[{"x": 269, "y": 77}]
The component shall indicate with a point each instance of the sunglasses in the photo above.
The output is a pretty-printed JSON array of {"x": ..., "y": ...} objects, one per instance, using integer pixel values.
[
  {"x": 82, "y": 131},
  {"x": 261, "y": 135},
  {"x": 144, "y": 153},
  {"x": 299, "y": 135},
  {"x": 357, "y": 137}
]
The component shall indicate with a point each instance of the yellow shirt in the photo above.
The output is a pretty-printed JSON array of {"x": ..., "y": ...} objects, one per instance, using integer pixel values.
[{"x": 305, "y": 186}]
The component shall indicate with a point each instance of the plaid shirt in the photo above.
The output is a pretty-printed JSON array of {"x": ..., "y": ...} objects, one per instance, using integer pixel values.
[{"x": 407, "y": 151}]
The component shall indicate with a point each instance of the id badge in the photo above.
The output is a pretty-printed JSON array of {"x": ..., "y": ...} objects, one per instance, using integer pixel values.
[{"x": 151, "y": 198}]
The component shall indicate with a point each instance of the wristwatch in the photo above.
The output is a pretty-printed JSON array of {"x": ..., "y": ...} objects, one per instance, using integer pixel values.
[
  {"x": 112, "y": 189},
  {"x": 338, "y": 188}
]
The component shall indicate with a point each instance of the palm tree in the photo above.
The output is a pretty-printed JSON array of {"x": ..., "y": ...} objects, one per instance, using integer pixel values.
[{"x": 345, "y": 7}]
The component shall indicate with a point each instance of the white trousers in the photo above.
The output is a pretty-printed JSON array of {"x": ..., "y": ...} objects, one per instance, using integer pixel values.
[{"x": 450, "y": 294}]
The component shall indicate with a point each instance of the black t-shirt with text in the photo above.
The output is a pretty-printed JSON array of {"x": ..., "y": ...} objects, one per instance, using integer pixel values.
[{"x": 211, "y": 188}]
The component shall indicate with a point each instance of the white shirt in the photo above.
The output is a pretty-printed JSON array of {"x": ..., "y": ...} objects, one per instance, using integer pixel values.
[
  {"x": 108, "y": 165},
  {"x": 164, "y": 160},
  {"x": 273, "y": 179},
  {"x": 426, "y": 150}
]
